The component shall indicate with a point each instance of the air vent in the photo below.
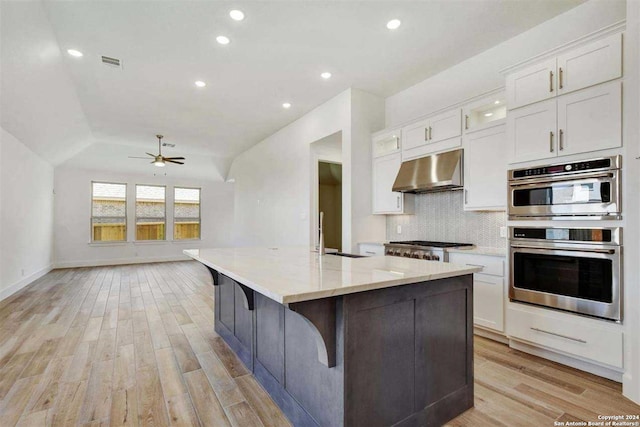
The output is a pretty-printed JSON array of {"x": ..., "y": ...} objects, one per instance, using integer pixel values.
[
  {"x": 114, "y": 62},
  {"x": 166, "y": 144}
]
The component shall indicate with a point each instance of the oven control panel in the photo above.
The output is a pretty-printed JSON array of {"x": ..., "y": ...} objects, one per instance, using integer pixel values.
[
  {"x": 564, "y": 168},
  {"x": 586, "y": 235}
]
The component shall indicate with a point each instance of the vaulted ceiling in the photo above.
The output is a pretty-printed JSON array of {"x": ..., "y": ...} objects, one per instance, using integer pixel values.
[{"x": 84, "y": 112}]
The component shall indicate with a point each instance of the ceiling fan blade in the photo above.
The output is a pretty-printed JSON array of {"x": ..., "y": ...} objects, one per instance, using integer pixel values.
[
  {"x": 152, "y": 155},
  {"x": 173, "y": 161},
  {"x": 173, "y": 158},
  {"x": 134, "y": 157}
]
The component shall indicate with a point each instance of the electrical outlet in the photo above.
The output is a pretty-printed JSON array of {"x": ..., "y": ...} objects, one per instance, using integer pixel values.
[
  {"x": 503, "y": 231},
  {"x": 399, "y": 229}
]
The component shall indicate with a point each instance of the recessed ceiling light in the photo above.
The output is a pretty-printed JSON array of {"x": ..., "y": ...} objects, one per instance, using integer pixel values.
[
  {"x": 236, "y": 15},
  {"x": 286, "y": 105},
  {"x": 393, "y": 24},
  {"x": 200, "y": 83},
  {"x": 497, "y": 102},
  {"x": 488, "y": 114},
  {"x": 326, "y": 75},
  {"x": 74, "y": 52},
  {"x": 222, "y": 40}
]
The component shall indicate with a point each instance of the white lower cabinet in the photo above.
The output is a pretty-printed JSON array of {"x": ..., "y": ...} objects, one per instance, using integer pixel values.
[
  {"x": 584, "y": 338},
  {"x": 488, "y": 289},
  {"x": 485, "y": 169}
]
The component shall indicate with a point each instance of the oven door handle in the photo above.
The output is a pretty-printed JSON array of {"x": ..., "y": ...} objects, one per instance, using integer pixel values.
[
  {"x": 550, "y": 250},
  {"x": 586, "y": 177}
]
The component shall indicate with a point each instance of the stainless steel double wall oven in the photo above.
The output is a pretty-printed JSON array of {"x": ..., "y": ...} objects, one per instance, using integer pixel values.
[{"x": 573, "y": 268}]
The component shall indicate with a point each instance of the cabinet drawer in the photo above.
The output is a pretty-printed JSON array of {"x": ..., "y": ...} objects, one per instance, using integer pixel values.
[
  {"x": 371, "y": 249},
  {"x": 492, "y": 265},
  {"x": 566, "y": 333}
]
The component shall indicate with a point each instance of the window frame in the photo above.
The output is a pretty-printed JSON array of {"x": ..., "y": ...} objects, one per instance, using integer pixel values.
[
  {"x": 199, "y": 213},
  {"x": 126, "y": 215},
  {"x": 135, "y": 214}
]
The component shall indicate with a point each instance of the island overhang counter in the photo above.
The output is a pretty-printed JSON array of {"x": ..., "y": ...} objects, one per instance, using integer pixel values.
[{"x": 336, "y": 341}]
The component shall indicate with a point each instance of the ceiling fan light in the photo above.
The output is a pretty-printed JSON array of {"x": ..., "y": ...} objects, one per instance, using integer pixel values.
[{"x": 159, "y": 163}]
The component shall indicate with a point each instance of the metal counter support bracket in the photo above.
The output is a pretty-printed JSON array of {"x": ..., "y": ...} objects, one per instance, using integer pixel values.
[
  {"x": 321, "y": 316},
  {"x": 214, "y": 275},
  {"x": 248, "y": 300}
]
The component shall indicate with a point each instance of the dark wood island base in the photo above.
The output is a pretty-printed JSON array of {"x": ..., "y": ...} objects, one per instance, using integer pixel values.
[{"x": 399, "y": 356}]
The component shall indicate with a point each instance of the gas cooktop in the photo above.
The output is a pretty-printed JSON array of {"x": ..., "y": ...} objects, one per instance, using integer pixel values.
[{"x": 430, "y": 244}]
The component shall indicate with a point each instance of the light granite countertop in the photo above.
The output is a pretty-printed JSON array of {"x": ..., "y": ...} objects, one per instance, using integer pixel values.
[
  {"x": 480, "y": 250},
  {"x": 294, "y": 274}
]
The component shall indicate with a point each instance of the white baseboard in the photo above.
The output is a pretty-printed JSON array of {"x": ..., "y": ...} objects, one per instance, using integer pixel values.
[
  {"x": 582, "y": 365},
  {"x": 12, "y": 289},
  {"x": 630, "y": 389},
  {"x": 495, "y": 336},
  {"x": 119, "y": 261}
]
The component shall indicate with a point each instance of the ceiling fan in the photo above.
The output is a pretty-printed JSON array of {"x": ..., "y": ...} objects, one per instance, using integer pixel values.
[{"x": 160, "y": 160}]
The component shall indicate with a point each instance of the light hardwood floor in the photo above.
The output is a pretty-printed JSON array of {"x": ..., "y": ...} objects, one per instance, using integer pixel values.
[{"x": 134, "y": 345}]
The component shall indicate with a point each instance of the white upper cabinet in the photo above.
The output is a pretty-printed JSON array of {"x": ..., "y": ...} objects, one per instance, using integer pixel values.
[
  {"x": 590, "y": 119},
  {"x": 485, "y": 113},
  {"x": 437, "y": 133},
  {"x": 386, "y": 142},
  {"x": 415, "y": 134},
  {"x": 444, "y": 126},
  {"x": 386, "y": 201},
  {"x": 585, "y": 66},
  {"x": 531, "y": 132},
  {"x": 532, "y": 84},
  {"x": 589, "y": 65},
  {"x": 485, "y": 169}
]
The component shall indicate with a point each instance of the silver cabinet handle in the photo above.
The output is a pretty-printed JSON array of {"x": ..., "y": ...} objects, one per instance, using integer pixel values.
[
  {"x": 430, "y": 137},
  {"x": 550, "y": 81},
  {"x": 551, "y": 141},
  {"x": 560, "y": 134},
  {"x": 560, "y": 78},
  {"x": 559, "y": 335},
  {"x": 466, "y": 122},
  {"x": 426, "y": 134},
  {"x": 398, "y": 202},
  {"x": 466, "y": 196},
  {"x": 475, "y": 265},
  {"x": 369, "y": 252}
]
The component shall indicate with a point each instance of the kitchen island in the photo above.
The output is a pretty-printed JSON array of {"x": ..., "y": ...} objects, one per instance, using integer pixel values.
[{"x": 336, "y": 341}]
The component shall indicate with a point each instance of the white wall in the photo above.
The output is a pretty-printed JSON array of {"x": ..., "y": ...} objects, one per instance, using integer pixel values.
[
  {"x": 273, "y": 180},
  {"x": 26, "y": 215},
  {"x": 631, "y": 206},
  {"x": 367, "y": 116},
  {"x": 73, "y": 212},
  {"x": 481, "y": 73}
]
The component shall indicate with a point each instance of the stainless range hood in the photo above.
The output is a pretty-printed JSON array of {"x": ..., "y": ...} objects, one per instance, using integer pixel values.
[{"x": 438, "y": 172}]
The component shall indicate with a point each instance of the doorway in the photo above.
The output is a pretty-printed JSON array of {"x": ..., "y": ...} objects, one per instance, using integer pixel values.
[{"x": 330, "y": 202}]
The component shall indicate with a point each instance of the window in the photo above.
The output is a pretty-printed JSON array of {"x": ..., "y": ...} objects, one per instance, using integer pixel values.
[
  {"x": 186, "y": 213},
  {"x": 150, "y": 212},
  {"x": 108, "y": 212}
]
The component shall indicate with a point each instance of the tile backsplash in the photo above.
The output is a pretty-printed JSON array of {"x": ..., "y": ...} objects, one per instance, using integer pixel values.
[{"x": 441, "y": 217}]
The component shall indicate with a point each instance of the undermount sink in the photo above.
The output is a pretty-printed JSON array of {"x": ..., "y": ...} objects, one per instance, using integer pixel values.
[{"x": 346, "y": 255}]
